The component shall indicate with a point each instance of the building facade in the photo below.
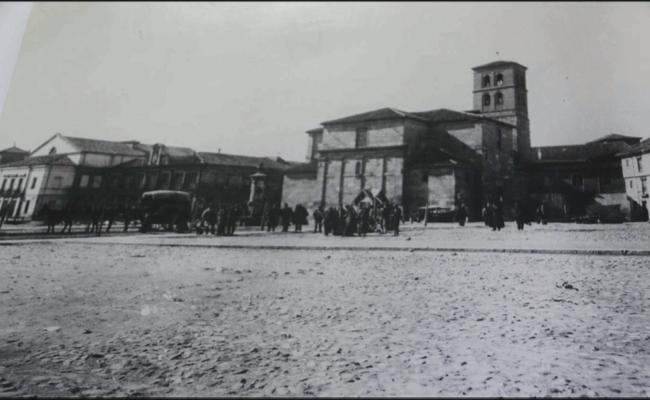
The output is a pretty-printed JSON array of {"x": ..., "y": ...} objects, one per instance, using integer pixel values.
[{"x": 445, "y": 157}]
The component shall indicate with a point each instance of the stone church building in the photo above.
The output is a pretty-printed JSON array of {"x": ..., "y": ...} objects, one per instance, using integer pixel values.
[
  {"x": 444, "y": 157},
  {"x": 439, "y": 157}
]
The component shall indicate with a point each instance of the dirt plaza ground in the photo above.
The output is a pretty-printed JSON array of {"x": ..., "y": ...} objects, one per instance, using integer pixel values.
[{"x": 176, "y": 315}]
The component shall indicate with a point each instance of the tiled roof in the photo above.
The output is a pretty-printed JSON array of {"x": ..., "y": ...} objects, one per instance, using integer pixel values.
[
  {"x": 240, "y": 161},
  {"x": 579, "y": 153},
  {"x": 53, "y": 159},
  {"x": 497, "y": 64},
  {"x": 638, "y": 149},
  {"x": 103, "y": 146},
  {"x": 14, "y": 150},
  {"x": 382, "y": 113},
  {"x": 613, "y": 137}
]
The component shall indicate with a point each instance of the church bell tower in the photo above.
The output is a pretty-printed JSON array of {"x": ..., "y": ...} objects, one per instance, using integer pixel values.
[{"x": 500, "y": 93}]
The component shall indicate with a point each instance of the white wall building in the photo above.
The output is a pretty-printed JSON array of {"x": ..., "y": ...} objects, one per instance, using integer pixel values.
[
  {"x": 50, "y": 170},
  {"x": 636, "y": 172}
]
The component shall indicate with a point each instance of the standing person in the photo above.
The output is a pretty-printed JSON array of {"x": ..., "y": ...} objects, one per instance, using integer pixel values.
[
  {"x": 265, "y": 216},
  {"x": 330, "y": 220},
  {"x": 274, "y": 218},
  {"x": 233, "y": 218},
  {"x": 519, "y": 215},
  {"x": 222, "y": 220},
  {"x": 286, "y": 214},
  {"x": 299, "y": 217},
  {"x": 386, "y": 217},
  {"x": 364, "y": 220},
  {"x": 461, "y": 214},
  {"x": 541, "y": 214},
  {"x": 488, "y": 214},
  {"x": 209, "y": 218},
  {"x": 318, "y": 219},
  {"x": 397, "y": 219},
  {"x": 497, "y": 216}
]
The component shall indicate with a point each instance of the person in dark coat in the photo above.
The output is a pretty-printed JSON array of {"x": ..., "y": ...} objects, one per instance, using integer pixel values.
[
  {"x": 264, "y": 221},
  {"x": 286, "y": 215},
  {"x": 274, "y": 218},
  {"x": 233, "y": 218},
  {"x": 222, "y": 220},
  {"x": 331, "y": 221},
  {"x": 364, "y": 220},
  {"x": 300, "y": 214},
  {"x": 350, "y": 221},
  {"x": 318, "y": 219},
  {"x": 461, "y": 214},
  {"x": 497, "y": 216},
  {"x": 209, "y": 217},
  {"x": 386, "y": 217},
  {"x": 396, "y": 219},
  {"x": 519, "y": 215}
]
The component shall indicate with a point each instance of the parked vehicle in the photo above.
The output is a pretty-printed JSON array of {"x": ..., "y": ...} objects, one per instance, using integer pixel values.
[
  {"x": 436, "y": 214},
  {"x": 166, "y": 209}
]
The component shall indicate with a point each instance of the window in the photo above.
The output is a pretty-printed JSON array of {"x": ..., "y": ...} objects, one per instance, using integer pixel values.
[
  {"x": 34, "y": 183},
  {"x": 164, "y": 180},
  {"x": 11, "y": 183},
  {"x": 627, "y": 162},
  {"x": 486, "y": 80},
  {"x": 97, "y": 181},
  {"x": 361, "y": 139},
  {"x": 498, "y": 99},
  {"x": 639, "y": 165},
  {"x": 58, "y": 182},
  {"x": 576, "y": 180},
  {"x": 486, "y": 99},
  {"x": 177, "y": 180},
  {"x": 499, "y": 136},
  {"x": 26, "y": 207},
  {"x": 20, "y": 184},
  {"x": 83, "y": 182},
  {"x": 631, "y": 184},
  {"x": 499, "y": 80},
  {"x": 644, "y": 186},
  {"x": 4, "y": 183},
  {"x": 357, "y": 168}
]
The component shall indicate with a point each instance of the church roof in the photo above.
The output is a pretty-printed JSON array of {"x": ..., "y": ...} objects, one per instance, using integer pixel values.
[
  {"x": 447, "y": 115},
  {"x": 51, "y": 159},
  {"x": 434, "y": 116},
  {"x": 498, "y": 63},
  {"x": 382, "y": 113},
  {"x": 14, "y": 150}
]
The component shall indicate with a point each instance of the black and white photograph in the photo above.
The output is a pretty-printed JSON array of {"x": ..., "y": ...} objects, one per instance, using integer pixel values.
[{"x": 324, "y": 199}]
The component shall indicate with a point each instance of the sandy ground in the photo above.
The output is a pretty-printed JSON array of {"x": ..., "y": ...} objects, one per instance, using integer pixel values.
[{"x": 115, "y": 319}]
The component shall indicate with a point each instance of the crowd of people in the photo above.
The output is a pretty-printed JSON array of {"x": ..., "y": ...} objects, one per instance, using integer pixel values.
[{"x": 348, "y": 220}]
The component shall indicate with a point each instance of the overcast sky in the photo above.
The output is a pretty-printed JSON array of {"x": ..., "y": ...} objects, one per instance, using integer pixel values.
[{"x": 251, "y": 78}]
